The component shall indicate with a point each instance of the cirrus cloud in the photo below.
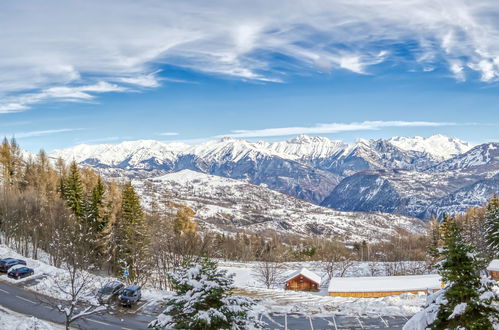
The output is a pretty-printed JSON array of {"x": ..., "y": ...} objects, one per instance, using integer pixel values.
[
  {"x": 332, "y": 128},
  {"x": 53, "y": 51}
]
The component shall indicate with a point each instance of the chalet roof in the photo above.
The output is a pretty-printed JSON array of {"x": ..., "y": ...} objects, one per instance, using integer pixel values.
[
  {"x": 385, "y": 283},
  {"x": 494, "y": 265},
  {"x": 307, "y": 273}
]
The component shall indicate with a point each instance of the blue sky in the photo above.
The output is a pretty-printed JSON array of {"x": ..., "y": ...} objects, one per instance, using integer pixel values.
[{"x": 183, "y": 71}]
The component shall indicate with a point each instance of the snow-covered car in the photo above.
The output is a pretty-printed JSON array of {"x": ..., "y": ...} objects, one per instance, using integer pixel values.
[
  {"x": 20, "y": 272},
  {"x": 7, "y": 263},
  {"x": 130, "y": 295},
  {"x": 109, "y": 291}
]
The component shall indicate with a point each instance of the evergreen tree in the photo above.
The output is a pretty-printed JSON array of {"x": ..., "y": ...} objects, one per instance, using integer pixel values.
[
  {"x": 96, "y": 216},
  {"x": 72, "y": 191},
  {"x": 132, "y": 235},
  {"x": 466, "y": 301},
  {"x": 492, "y": 227},
  {"x": 202, "y": 300}
]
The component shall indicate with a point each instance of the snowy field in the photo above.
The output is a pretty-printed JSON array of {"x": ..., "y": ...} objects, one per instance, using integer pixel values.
[
  {"x": 278, "y": 300},
  {"x": 274, "y": 300},
  {"x": 15, "y": 321}
]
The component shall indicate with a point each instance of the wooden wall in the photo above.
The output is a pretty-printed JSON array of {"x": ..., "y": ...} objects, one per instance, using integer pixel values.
[{"x": 375, "y": 294}]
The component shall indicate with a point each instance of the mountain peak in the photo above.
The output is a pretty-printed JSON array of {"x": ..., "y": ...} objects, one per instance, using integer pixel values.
[
  {"x": 440, "y": 146},
  {"x": 303, "y": 138}
]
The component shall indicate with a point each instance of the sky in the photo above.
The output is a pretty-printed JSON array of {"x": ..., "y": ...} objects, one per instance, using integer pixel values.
[{"x": 107, "y": 71}]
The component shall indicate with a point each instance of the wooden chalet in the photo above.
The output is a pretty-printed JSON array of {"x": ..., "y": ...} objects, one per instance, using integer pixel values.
[
  {"x": 303, "y": 280},
  {"x": 493, "y": 269},
  {"x": 383, "y": 286}
]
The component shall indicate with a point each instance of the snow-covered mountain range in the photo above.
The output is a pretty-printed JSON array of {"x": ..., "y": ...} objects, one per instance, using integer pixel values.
[
  {"x": 412, "y": 176},
  {"x": 233, "y": 205}
]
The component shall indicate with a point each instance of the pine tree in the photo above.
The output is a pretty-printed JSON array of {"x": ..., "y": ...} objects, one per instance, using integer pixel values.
[
  {"x": 72, "y": 191},
  {"x": 492, "y": 227},
  {"x": 132, "y": 235},
  {"x": 466, "y": 301},
  {"x": 202, "y": 300}
]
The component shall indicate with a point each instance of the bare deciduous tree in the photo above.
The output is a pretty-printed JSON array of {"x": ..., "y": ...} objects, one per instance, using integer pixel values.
[{"x": 268, "y": 273}]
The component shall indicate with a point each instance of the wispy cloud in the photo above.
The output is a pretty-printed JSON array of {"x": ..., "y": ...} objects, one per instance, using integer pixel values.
[
  {"x": 21, "y": 135},
  {"x": 168, "y": 134},
  {"x": 333, "y": 128},
  {"x": 50, "y": 57}
]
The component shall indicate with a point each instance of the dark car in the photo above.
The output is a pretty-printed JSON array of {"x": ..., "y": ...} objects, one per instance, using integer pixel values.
[
  {"x": 109, "y": 291},
  {"x": 130, "y": 295},
  {"x": 6, "y": 263},
  {"x": 20, "y": 272}
]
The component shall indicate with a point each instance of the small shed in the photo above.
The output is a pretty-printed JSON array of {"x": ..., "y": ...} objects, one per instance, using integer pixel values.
[
  {"x": 493, "y": 269},
  {"x": 383, "y": 286},
  {"x": 303, "y": 280}
]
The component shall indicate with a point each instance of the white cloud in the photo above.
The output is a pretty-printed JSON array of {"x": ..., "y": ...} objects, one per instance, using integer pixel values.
[
  {"x": 169, "y": 134},
  {"x": 333, "y": 128},
  {"x": 65, "y": 93},
  {"x": 51, "y": 50},
  {"x": 21, "y": 135}
]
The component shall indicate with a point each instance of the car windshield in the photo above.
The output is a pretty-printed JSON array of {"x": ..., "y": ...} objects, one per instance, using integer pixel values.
[
  {"x": 106, "y": 290},
  {"x": 128, "y": 293}
]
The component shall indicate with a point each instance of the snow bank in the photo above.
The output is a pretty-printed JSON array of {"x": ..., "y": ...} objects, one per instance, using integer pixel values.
[{"x": 15, "y": 321}]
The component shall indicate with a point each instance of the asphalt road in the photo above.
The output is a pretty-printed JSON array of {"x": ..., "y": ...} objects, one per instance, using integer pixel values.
[
  {"x": 22, "y": 301},
  {"x": 16, "y": 298}
]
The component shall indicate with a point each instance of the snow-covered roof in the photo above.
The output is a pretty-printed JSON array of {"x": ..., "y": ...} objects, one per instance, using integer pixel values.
[
  {"x": 385, "y": 283},
  {"x": 494, "y": 265},
  {"x": 307, "y": 273}
]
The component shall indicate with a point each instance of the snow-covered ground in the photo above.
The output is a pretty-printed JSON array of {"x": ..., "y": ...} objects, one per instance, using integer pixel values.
[
  {"x": 272, "y": 300},
  {"x": 278, "y": 300},
  {"x": 15, "y": 321}
]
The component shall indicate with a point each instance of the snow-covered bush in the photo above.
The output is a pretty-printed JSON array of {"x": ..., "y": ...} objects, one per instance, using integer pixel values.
[{"x": 202, "y": 300}]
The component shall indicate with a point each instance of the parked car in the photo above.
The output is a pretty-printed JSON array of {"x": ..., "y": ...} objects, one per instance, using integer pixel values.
[
  {"x": 20, "y": 272},
  {"x": 109, "y": 291},
  {"x": 130, "y": 295},
  {"x": 6, "y": 263}
]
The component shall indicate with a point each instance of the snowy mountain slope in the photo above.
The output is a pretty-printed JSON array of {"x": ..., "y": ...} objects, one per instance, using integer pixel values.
[
  {"x": 453, "y": 185},
  {"x": 439, "y": 146},
  {"x": 472, "y": 195},
  {"x": 311, "y": 168},
  {"x": 304, "y": 147},
  {"x": 141, "y": 154},
  {"x": 482, "y": 158},
  {"x": 231, "y": 205},
  {"x": 374, "y": 155}
]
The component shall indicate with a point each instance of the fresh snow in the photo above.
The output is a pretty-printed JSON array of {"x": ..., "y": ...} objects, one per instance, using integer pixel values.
[
  {"x": 237, "y": 205},
  {"x": 439, "y": 146},
  {"x": 275, "y": 300},
  {"x": 305, "y": 272},
  {"x": 302, "y": 147},
  {"x": 15, "y": 321},
  {"x": 385, "y": 283},
  {"x": 494, "y": 265}
]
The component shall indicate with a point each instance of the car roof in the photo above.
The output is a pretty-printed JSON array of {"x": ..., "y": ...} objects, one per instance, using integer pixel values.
[
  {"x": 132, "y": 287},
  {"x": 7, "y": 259},
  {"x": 113, "y": 284}
]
